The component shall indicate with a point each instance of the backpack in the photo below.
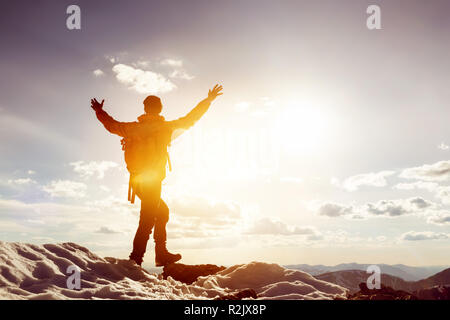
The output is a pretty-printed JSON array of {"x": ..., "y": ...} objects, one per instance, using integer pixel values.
[{"x": 146, "y": 154}]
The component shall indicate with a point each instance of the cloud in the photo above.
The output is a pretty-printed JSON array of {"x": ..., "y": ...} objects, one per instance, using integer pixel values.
[
  {"x": 439, "y": 171},
  {"x": 172, "y": 62},
  {"x": 424, "y": 235},
  {"x": 111, "y": 59},
  {"x": 429, "y": 186},
  {"x": 106, "y": 230},
  {"x": 181, "y": 74},
  {"x": 389, "y": 208},
  {"x": 98, "y": 73},
  {"x": 443, "y": 146},
  {"x": 440, "y": 218},
  {"x": 145, "y": 82},
  {"x": 443, "y": 194},
  {"x": 377, "y": 179},
  {"x": 21, "y": 181},
  {"x": 395, "y": 208},
  {"x": 267, "y": 226},
  {"x": 59, "y": 221},
  {"x": 66, "y": 189},
  {"x": 142, "y": 63},
  {"x": 335, "y": 210},
  {"x": 196, "y": 217},
  {"x": 31, "y": 172},
  {"x": 204, "y": 210},
  {"x": 88, "y": 169}
]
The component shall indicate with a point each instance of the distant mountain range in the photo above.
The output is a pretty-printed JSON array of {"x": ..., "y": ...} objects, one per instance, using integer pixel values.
[
  {"x": 351, "y": 279},
  {"x": 406, "y": 273}
]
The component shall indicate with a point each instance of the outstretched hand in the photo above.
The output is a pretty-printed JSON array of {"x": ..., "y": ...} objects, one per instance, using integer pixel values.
[
  {"x": 214, "y": 92},
  {"x": 97, "y": 105}
]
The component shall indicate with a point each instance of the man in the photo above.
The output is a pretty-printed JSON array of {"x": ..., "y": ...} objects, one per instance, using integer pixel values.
[{"x": 145, "y": 144}]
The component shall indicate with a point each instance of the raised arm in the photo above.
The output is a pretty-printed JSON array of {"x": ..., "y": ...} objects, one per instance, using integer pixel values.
[
  {"x": 123, "y": 129},
  {"x": 195, "y": 114}
]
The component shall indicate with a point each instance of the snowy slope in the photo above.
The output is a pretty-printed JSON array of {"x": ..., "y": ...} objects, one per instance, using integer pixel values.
[{"x": 29, "y": 271}]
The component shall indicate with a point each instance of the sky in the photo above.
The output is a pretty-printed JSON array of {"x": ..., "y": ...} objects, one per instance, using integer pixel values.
[{"x": 329, "y": 145}]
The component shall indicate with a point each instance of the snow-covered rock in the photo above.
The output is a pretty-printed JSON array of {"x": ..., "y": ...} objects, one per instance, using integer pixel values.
[{"x": 29, "y": 271}]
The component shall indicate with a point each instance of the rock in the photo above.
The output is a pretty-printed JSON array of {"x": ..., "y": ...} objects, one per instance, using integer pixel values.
[
  {"x": 441, "y": 292},
  {"x": 384, "y": 293},
  {"x": 247, "y": 293},
  {"x": 189, "y": 273}
]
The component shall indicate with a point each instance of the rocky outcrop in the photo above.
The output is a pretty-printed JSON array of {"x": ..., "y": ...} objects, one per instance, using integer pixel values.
[
  {"x": 434, "y": 293},
  {"x": 189, "y": 273},
  {"x": 351, "y": 279},
  {"x": 243, "y": 294},
  {"x": 384, "y": 293}
]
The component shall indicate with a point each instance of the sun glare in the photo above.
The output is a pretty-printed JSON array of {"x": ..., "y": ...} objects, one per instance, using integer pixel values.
[{"x": 301, "y": 127}]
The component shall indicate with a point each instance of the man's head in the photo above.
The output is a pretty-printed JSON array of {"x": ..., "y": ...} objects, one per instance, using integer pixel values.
[{"x": 152, "y": 105}]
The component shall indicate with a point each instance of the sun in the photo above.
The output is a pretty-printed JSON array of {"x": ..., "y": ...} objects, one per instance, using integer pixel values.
[{"x": 302, "y": 126}]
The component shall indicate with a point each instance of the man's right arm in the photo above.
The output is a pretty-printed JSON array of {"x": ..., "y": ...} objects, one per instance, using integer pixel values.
[{"x": 195, "y": 114}]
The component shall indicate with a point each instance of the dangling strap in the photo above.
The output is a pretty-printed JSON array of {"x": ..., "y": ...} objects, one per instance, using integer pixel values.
[
  {"x": 168, "y": 161},
  {"x": 131, "y": 192}
]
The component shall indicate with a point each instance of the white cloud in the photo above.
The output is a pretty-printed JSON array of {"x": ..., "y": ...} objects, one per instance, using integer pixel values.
[
  {"x": 105, "y": 188},
  {"x": 143, "y": 63},
  {"x": 423, "y": 235},
  {"x": 106, "y": 230},
  {"x": 399, "y": 207},
  {"x": 335, "y": 210},
  {"x": 181, "y": 74},
  {"x": 207, "y": 211},
  {"x": 440, "y": 218},
  {"x": 112, "y": 59},
  {"x": 439, "y": 171},
  {"x": 98, "y": 73},
  {"x": 88, "y": 169},
  {"x": 429, "y": 186},
  {"x": 377, "y": 179},
  {"x": 21, "y": 181},
  {"x": 388, "y": 208},
  {"x": 65, "y": 188},
  {"x": 172, "y": 62},
  {"x": 31, "y": 172},
  {"x": 146, "y": 82},
  {"x": 443, "y": 194},
  {"x": 267, "y": 226},
  {"x": 443, "y": 146}
]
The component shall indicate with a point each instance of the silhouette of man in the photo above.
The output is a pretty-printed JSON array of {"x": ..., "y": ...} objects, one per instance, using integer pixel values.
[{"x": 145, "y": 143}]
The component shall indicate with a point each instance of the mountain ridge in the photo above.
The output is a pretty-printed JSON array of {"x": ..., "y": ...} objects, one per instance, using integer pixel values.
[{"x": 405, "y": 272}]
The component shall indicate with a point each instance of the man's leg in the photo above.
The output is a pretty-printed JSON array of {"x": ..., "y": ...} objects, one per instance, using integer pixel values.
[
  {"x": 162, "y": 256},
  {"x": 161, "y": 219},
  {"x": 149, "y": 196}
]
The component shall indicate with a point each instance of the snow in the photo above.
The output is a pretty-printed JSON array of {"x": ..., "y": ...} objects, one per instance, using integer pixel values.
[{"x": 29, "y": 271}]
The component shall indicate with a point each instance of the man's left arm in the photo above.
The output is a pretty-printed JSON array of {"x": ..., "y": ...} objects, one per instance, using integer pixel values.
[{"x": 123, "y": 129}]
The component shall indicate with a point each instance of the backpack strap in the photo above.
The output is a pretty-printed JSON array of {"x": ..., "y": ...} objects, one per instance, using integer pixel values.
[
  {"x": 168, "y": 161},
  {"x": 131, "y": 191}
]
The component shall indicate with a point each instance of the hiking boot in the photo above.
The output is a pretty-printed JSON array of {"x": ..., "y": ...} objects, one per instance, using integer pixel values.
[
  {"x": 164, "y": 257},
  {"x": 136, "y": 260}
]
